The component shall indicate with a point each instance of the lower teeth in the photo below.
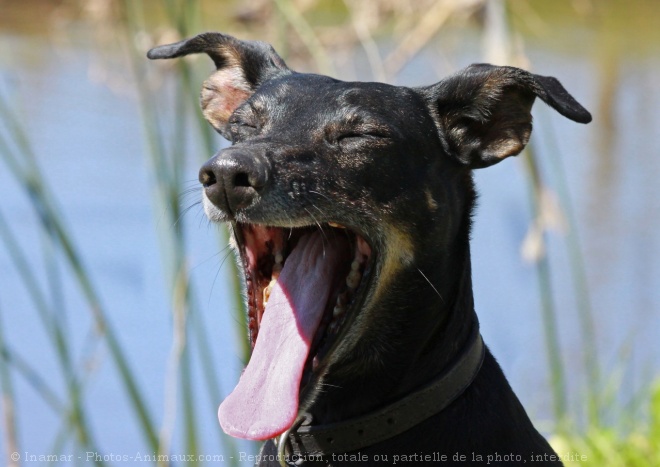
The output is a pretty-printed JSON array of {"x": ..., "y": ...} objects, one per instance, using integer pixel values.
[{"x": 277, "y": 268}]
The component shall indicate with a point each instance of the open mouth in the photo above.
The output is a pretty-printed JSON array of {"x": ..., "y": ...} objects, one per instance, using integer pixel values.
[{"x": 304, "y": 286}]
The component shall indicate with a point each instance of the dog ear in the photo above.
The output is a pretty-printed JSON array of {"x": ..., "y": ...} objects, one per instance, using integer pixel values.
[
  {"x": 484, "y": 111},
  {"x": 242, "y": 66}
]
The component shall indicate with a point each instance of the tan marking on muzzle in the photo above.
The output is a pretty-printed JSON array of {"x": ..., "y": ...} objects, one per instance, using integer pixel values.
[{"x": 399, "y": 252}]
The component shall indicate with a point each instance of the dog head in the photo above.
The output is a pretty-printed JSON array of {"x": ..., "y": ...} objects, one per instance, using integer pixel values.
[{"x": 349, "y": 203}]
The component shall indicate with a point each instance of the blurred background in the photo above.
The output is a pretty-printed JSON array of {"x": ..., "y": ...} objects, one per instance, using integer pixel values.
[{"x": 121, "y": 323}]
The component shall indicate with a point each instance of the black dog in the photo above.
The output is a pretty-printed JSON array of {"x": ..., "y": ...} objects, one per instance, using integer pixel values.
[{"x": 350, "y": 207}]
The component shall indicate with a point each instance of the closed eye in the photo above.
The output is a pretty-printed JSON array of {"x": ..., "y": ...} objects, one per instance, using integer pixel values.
[
  {"x": 358, "y": 129},
  {"x": 346, "y": 136},
  {"x": 241, "y": 129},
  {"x": 242, "y": 123}
]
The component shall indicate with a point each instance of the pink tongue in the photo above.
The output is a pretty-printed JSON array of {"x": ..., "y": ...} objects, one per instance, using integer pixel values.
[{"x": 265, "y": 402}]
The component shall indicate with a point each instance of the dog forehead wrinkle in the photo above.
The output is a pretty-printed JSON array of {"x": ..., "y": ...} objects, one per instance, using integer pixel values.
[
  {"x": 352, "y": 114},
  {"x": 392, "y": 108},
  {"x": 294, "y": 106}
]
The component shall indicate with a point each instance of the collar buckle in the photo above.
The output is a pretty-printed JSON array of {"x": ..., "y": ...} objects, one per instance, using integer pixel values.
[{"x": 285, "y": 443}]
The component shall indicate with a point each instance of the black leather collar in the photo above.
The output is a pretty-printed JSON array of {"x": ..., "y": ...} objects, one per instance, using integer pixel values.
[{"x": 304, "y": 439}]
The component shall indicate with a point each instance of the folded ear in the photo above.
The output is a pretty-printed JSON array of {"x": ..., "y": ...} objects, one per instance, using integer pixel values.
[
  {"x": 242, "y": 66},
  {"x": 484, "y": 114}
]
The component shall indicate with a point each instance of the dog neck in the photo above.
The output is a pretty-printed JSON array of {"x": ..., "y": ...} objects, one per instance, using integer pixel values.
[
  {"x": 305, "y": 439},
  {"x": 427, "y": 320}
]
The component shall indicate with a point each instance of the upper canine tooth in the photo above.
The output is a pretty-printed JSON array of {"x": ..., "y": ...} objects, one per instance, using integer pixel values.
[
  {"x": 355, "y": 265},
  {"x": 334, "y": 224},
  {"x": 279, "y": 258},
  {"x": 269, "y": 288},
  {"x": 266, "y": 294}
]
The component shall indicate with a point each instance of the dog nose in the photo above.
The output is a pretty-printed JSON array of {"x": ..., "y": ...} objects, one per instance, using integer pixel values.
[{"x": 232, "y": 179}]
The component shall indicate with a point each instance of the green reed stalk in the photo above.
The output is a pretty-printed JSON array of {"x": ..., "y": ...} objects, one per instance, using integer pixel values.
[
  {"x": 21, "y": 366},
  {"x": 14, "y": 361},
  {"x": 189, "y": 23},
  {"x": 76, "y": 418},
  {"x": 166, "y": 166},
  {"x": 28, "y": 175},
  {"x": 7, "y": 404},
  {"x": 548, "y": 309},
  {"x": 580, "y": 285},
  {"x": 210, "y": 146},
  {"x": 307, "y": 35},
  {"x": 167, "y": 162}
]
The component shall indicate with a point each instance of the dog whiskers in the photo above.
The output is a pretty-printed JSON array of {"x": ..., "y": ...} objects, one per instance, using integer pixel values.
[
  {"x": 318, "y": 224},
  {"x": 318, "y": 209},
  {"x": 223, "y": 250},
  {"x": 322, "y": 387},
  {"x": 320, "y": 194},
  {"x": 183, "y": 213},
  {"x": 431, "y": 284},
  {"x": 227, "y": 251}
]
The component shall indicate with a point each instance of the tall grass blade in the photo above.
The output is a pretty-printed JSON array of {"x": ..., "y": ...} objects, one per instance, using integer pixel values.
[
  {"x": 580, "y": 284},
  {"x": 548, "y": 309},
  {"x": 167, "y": 159},
  {"x": 307, "y": 35},
  {"x": 30, "y": 179},
  {"x": 7, "y": 403}
]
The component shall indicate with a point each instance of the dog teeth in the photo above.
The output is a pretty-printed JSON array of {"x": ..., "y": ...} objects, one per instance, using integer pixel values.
[
  {"x": 267, "y": 294},
  {"x": 340, "y": 307},
  {"x": 277, "y": 268},
  {"x": 269, "y": 287},
  {"x": 353, "y": 279},
  {"x": 334, "y": 224}
]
